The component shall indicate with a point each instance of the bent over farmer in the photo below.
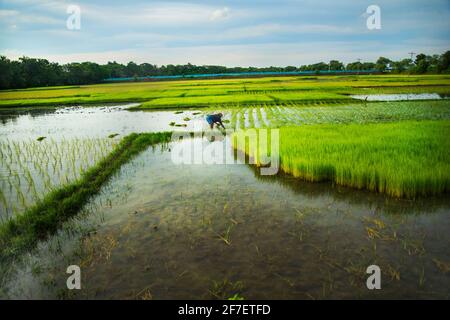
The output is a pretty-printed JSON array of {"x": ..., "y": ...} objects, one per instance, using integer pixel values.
[{"x": 215, "y": 119}]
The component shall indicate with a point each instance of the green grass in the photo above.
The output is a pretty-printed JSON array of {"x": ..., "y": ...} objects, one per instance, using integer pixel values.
[
  {"x": 183, "y": 93},
  {"x": 407, "y": 159},
  {"x": 204, "y": 101},
  {"x": 298, "y": 113},
  {"x": 307, "y": 95},
  {"x": 25, "y": 230}
]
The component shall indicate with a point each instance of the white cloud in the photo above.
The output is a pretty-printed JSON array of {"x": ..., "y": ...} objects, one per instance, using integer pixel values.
[
  {"x": 156, "y": 14},
  {"x": 220, "y": 14},
  {"x": 290, "y": 29},
  {"x": 14, "y": 17},
  {"x": 278, "y": 54}
]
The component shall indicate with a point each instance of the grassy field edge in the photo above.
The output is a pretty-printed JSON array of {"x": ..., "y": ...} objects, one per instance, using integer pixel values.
[{"x": 405, "y": 159}]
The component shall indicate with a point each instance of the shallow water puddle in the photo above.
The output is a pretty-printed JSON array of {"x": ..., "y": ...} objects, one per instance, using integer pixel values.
[
  {"x": 211, "y": 231},
  {"x": 93, "y": 122}
]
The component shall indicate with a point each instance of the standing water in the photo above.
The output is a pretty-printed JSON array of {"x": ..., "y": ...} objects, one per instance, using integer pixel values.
[
  {"x": 398, "y": 97},
  {"x": 169, "y": 231}
]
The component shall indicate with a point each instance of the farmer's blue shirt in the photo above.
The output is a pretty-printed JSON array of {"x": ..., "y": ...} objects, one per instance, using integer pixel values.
[{"x": 212, "y": 118}]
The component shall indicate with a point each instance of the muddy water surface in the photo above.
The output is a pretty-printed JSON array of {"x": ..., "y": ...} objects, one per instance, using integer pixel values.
[{"x": 212, "y": 231}]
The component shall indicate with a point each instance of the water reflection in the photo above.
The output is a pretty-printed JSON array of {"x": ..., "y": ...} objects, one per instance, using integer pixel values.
[
  {"x": 211, "y": 231},
  {"x": 378, "y": 202},
  {"x": 100, "y": 121},
  {"x": 11, "y": 115}
]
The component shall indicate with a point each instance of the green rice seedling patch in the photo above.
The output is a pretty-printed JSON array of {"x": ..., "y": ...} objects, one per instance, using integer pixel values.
[{"x": 406, "y": 159}]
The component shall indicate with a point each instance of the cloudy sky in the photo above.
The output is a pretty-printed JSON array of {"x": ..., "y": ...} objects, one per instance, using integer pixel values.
[{"x": 231, "y": 32}]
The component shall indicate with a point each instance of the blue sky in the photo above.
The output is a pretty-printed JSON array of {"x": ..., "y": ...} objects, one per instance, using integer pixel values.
[{"x": 232, "y": 33}]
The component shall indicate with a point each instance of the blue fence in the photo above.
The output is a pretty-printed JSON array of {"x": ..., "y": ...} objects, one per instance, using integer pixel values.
[{"x": 242, "y": 74}]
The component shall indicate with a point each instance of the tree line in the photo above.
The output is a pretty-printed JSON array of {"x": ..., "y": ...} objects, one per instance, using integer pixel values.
[{"x": 30, "y": 72}]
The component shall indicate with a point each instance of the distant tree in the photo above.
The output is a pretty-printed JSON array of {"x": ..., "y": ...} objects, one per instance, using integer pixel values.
[
  {"x": 368, "y": 66},
  {"x": 433, "y": 63},
  {"x": 422, "y": 64},
  {"x": 321, "y": 66},
  {"x": 115, "y": 70},
  {"x": 132, "y": 69},
  {"x": 336, "y": 65},
  {"x": 6, "y": 72},
  {"x": 36, "y": 72},
  {"x": 402, "y": 65},
  {"x": 358, "y": 66},
  {"x": 444, "y": 62},
  {"x": 354, "y": 66},
  {"x": 382, "y": 63},
  {"x": 147, "y": 69},
  {"x": 290, "y": 69}
]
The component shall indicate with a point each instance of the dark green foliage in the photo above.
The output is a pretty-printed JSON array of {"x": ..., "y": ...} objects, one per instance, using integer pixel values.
[{"x": 23, "y": 232}]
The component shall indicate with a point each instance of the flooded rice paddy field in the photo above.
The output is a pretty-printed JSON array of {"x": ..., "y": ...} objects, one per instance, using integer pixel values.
[
  {"x": 75, "y": 138},
  {"x": 165, "y": 231},
  {"x": 401, "y": 97},
  {"x": 30, "y": 169},
  {"x": 103, "y": 121}
]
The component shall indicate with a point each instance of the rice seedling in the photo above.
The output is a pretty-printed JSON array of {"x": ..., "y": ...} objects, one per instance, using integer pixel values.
[
  {"x": 422, "y": 277},
  {"x": 260, "y": 117},
  {"x": 250, "y": 118},
  {"x": 225, "y": 237},
  {"x": 258, "y": 92},
  {"x": 233, "y": 120},
  {"x": 288, "y": 281},
  {"x": 199, "y": 101},
  {"x": 294, "y": 114},
  {"x": 225, "y": 288},
  {"x": 241, "y": 119},
  {"x": 405, "y": 159},
  {"x": 393, "y": 273}
]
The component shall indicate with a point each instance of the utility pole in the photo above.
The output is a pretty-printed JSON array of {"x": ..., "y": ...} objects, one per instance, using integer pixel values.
[{"x": 359, "y": 67}]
